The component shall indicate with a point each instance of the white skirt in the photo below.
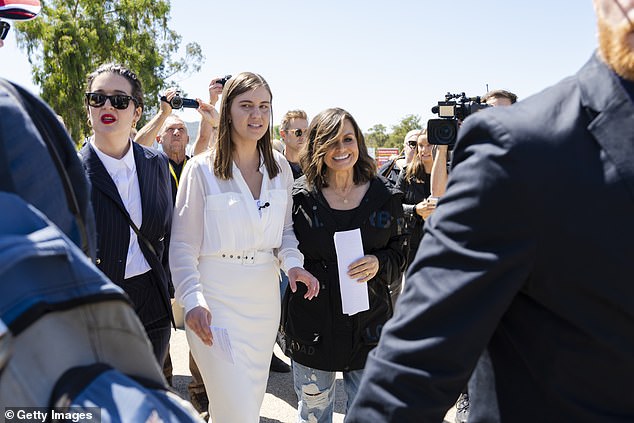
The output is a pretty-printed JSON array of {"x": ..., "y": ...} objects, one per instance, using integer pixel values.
[{"x": 245, "y": 300}]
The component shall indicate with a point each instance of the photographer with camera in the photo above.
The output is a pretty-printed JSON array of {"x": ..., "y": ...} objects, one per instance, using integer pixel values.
[
  {"x": 172, "y": 100},
  {"x": 148, "y": 135}
]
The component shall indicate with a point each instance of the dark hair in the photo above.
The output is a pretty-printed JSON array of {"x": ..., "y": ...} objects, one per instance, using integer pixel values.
[
  {"x": 223, "y": 159},
  {"x": 137, "y": 89},
  {"x": 499, "y": 93},
  {"x": 322, "y": 135}
]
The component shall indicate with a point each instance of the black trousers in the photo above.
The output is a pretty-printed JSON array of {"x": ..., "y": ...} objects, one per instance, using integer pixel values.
[{"x": 148, "y": 305}]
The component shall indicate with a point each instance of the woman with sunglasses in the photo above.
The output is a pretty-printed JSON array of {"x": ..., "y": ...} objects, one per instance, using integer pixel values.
[
  {"x": 232, "y": 232},
  {"x": 393, "y": 167},
  {"x": 132, "y": 200},
  {"x": 415, "y": 183}
]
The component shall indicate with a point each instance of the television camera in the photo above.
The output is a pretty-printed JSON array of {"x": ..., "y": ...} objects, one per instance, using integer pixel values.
[{"x": 452, "y": 112}]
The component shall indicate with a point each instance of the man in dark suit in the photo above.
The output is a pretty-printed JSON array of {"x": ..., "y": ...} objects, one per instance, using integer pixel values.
[{"x": 523, "y": 285}]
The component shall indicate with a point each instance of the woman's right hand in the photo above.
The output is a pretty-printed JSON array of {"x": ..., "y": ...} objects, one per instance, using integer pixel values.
[
  {"x": 199, "y": 320},
  {"x": 426, "y": 207}
]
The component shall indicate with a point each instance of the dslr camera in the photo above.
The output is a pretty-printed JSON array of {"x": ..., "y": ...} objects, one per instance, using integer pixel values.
[
  {"x": 179, "y": 102},
  {"x": 452, "y": 111},
  {"x": 224, "y": 80}
]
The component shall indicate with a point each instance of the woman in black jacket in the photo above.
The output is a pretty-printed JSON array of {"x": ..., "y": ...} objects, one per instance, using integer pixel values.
[
  {"x": 415, "y": 181},
  {"x": 340, "y": 191},
  {"x": 131, "y": 198}
]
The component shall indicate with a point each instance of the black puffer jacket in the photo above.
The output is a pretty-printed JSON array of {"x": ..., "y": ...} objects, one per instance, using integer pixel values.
[
  {"x": 317, "y": 332},
  {"x": 413, "y": 193}
]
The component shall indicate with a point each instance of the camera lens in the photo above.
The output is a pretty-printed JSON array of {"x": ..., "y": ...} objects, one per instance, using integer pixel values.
[
  {"x": 177, "y": 102},
  {"x": 442, "y": 131}
]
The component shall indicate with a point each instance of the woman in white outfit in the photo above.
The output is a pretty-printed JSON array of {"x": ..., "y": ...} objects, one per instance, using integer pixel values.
[{"x": 231, "y": 232}]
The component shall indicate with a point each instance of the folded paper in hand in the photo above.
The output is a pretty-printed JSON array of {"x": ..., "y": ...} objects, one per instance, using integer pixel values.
[{"x": 354, "y": 295}]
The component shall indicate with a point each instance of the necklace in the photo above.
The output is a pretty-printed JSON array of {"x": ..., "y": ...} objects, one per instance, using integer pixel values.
[{"x": 346, "y": 192}]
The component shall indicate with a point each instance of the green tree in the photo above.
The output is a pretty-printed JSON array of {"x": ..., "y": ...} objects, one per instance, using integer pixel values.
[
  {"x": 376, "y": 136},
  {"x": 71, "y": 38},
  {"x": 401, "y": 129}
]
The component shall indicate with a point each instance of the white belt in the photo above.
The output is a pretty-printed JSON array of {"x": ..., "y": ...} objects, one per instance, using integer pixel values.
[{"x": 248, "y": 257}]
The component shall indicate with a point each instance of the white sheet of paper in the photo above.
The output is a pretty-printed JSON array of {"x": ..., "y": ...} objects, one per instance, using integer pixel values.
[
  {"x": 354, "y": 295},
  {"x": 221, "y": 347}
]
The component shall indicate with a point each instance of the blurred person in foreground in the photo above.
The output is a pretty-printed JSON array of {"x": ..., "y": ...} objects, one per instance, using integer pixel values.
[
  {"x": 524, "y": 275},
  {"x": 493, "y": 98},
  {"x": 340, "y": 192}
]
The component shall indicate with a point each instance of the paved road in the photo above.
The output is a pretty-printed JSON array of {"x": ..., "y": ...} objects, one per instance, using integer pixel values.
[{"x": 280, "y": 402}]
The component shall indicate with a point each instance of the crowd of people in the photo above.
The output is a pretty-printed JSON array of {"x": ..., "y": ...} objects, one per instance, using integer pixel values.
[
  {"x": 247, "y": 229},
  {"x": 507, "y": 305}
]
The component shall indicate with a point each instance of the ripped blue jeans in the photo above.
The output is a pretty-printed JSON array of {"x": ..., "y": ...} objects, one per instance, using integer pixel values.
[{"x": 315, "y": 390}]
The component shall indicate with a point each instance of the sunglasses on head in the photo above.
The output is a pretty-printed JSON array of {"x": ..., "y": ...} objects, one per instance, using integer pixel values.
[
  {"x": 4, "y": 29},
  {"x": 118, "y": 101},
  {"x": 297, "y": 132}
]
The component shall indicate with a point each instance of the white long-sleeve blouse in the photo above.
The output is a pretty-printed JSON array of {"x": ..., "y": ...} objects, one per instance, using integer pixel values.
[{"x": 214, "y": 216}]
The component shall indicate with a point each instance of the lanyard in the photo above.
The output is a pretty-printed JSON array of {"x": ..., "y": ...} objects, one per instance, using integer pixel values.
[{"x": 174, "y": 173}]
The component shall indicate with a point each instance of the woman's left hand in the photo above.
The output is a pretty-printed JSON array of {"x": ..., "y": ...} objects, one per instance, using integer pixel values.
[
  {"x": 364, "y": 269},
  {"x": 298, "y": 274}
]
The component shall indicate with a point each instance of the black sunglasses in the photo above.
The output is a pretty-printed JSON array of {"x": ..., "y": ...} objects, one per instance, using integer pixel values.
[
  {"x": 4, "y": 29},
  {"x": 297, "y": 132},
  {"x": 118, "y": 101}
]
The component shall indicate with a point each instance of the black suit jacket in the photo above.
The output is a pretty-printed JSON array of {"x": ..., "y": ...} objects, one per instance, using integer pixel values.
[
  {"x": 525, "y": 272},
  {"x": 113, "y": 229}
]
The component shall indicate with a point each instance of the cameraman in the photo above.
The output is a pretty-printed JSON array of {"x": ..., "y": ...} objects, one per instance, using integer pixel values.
[{"x": 497, "y": 98}]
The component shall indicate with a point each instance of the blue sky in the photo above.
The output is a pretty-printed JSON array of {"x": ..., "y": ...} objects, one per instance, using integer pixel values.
[{"x": 379, "y": 60}]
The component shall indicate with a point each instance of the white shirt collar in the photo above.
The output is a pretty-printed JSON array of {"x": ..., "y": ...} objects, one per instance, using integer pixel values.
[{"x": 111, "y": 164}]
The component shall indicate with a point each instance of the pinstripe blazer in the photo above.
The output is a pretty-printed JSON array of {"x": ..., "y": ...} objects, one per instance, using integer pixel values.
[{"x": 113, "y": 229}]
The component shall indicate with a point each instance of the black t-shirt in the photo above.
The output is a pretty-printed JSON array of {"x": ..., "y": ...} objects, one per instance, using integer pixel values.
[
  {"x": 175, "y": 175},
  {"x": 297, "y": 170}
]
